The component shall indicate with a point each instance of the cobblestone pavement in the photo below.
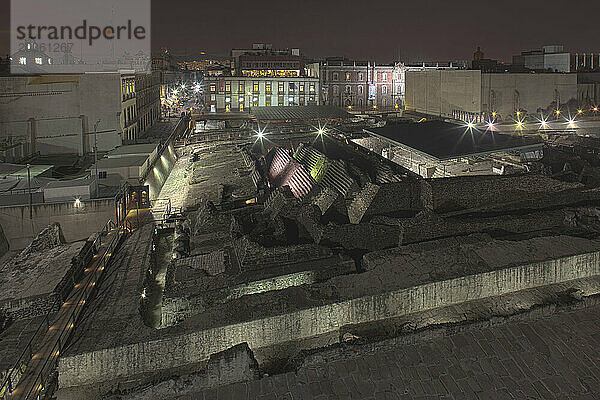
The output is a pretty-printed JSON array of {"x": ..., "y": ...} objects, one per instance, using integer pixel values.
[{"x": 557, "y": 357}]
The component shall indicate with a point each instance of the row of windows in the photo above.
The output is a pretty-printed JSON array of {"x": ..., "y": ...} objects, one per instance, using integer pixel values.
[
  {"x": 360, "y": 89},
  {"x": 292, "y": 86},
  {"x": 37, "y": 60},
  {"x": 383, "y": 76}
]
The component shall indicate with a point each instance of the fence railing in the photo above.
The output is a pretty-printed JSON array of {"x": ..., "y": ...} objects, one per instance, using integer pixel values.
[{"x": 19, "y": 367}]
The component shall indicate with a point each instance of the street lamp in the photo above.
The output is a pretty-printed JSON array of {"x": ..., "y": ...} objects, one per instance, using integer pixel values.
[{"x": 96, "y": 152}]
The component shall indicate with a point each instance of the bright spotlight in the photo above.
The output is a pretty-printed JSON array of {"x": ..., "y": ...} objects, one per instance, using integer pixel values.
[
  {"x": 470, "y": 125},
  {"x": 491, "y": 126},
  {"x": 519, "y": 124},
  {"x": 543, "y": 124},
  {"x": 557, "y": 112},
  {"x": 77, "y": 202},
  {"x": 580, "y": 111},
  {"x": 571, "y": 123},
  {"x": 595, "y": 109}
]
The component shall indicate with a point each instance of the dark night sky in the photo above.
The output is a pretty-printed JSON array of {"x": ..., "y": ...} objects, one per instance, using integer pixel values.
[{"x": 375, "y": 30}]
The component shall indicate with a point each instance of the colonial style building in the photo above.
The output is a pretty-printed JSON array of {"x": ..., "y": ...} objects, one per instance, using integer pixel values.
[
  {"x": 366, "y": 85},
  {"x": 238, "y": 93}
]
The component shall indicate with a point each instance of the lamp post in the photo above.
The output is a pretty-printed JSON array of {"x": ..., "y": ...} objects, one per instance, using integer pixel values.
[
  {"x": 29, "y": 190},
  {"x": 96, "y": 152}
]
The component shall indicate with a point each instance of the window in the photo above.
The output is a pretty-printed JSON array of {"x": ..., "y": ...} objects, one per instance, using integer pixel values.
[
  {"x": 292, "y": 87},
  {"x": 361, "y": 76},
  {"x": 335, "y": 76},
  {"x": 268, "y": 101},
  {"x": 280, "y": 87},
  {"x": 312, "y": 88},
  {"x": 335, "y": 90},
  {"x": 213, "y": 87},
  {"x": 213, "y": 97},
  {"x": 360, "y": 90},
  {"x": 347, "y": 76},
  {"x": 227, "y": 107},
  {"x": 291, "y": 101},
  {"x": 301, "y": 88},
  {"x": 384, "y": 76},
  {"x": 255, "y": 87},
  {"x": 348, "y": 89},
  {"x": 384, "y": 89},
  {"x": 242, "y": 88},
  {"x": 102, "y": 174},
  {"x": 23, "y": 60},
  {"x": 228, "y": 87},
  {"x": 38, "y": 60},
  {"x": 49, "y": 61},
  {"x": 360, "y": 102},
  {"x": 268, "y": 87},
  {"x": 227, "y": 99},
  {"x": 255, "y": 102},
  {"x": 241, "y": 106}
]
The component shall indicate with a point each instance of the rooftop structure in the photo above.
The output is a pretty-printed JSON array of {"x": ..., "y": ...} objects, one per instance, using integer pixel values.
[
  {"x": 302, "y": 113},
  {"x": 446, "y": 141}
]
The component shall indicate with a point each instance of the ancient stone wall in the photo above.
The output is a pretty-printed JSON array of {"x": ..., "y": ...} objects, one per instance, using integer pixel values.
[{"x": 189, "y": 348}]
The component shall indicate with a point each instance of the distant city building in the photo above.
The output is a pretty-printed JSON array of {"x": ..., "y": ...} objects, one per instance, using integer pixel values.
[
  {"x": 556, "y": 59},
  {"x": 487, "y": 64},
  {"x": 227, "y": 94},
  {"x": 474, "y": 95},
  {"x": 264, "y": 61}
]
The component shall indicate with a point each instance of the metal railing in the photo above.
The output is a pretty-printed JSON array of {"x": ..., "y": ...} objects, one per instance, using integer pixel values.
[{"x": 67, "y": 329}]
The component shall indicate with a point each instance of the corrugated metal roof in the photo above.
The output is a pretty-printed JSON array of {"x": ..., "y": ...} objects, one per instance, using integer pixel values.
[{"x": 295, "y": 113}]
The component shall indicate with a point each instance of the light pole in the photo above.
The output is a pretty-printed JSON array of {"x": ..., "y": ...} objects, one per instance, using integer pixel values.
[
  {"x": 29, "y": 190},
  {"x": 96, "y": 152}
]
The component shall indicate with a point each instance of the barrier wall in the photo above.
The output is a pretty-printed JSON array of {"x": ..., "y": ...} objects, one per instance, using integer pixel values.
[
  {"x": 193, "y": 347},
  {"x": 78, "y": 221}
]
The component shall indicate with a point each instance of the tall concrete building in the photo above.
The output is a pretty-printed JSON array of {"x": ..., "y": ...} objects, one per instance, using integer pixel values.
[
  {"x": 473, "y": 95},
  {"x": 59, "y": 114}
]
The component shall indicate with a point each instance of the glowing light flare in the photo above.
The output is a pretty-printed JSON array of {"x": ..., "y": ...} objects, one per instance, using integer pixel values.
[
  {"x": 491, "y": 126},
  {"x": 595, "y": 109},
  {"x": 580, "y": 111},
  {"x": 557, "y": 112}
]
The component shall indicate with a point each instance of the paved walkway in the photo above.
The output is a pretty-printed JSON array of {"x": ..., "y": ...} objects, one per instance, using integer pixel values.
[
  {"x": 553, "y": 358},
  {"x": 43, "y": 361}
]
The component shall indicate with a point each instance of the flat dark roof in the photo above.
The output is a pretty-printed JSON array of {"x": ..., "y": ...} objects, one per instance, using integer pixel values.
[
  {"x": 445, "y": 141},
  {"x": 296, "y": 113}
]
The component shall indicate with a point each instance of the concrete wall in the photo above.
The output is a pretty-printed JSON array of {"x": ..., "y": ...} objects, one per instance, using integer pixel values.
[
  {"x": 56, "y": 113},
  {"x": 440, "y": 92},
  {"x": 443, "y": 92},
  {"x": 185, "y": 349},
  {"x": 159, "y": 173},
  {"x": 507, "y": 93},
  {"x": 77, "y": 222}
]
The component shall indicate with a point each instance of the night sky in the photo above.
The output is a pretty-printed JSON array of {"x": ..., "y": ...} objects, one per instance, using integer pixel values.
[{"x": 374, "y": 30}]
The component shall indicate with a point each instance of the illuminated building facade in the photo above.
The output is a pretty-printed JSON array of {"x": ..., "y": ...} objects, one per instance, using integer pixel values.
[
  {"x": 365, "y": 85},
  {"x": 264, "y": 61},
  {"x": 237, "y": 94}
]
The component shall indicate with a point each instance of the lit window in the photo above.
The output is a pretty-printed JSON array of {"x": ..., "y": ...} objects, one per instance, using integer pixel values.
[
  {"x": 213, "y": 88},
  {"x": 228, "y": 107},
  {"x": 268, "y": 87},
  {"x": 38, "y": 60},
  {"x": 347, "y": 76},
  {"x": 49, "y": 61},
  {"x": 268, "y": 101},
  {"x": 23, "y": 60},
  {"x": 255, "y": 87},
  {"x": 301, "y": 88},
  {"x": 241, "y": 88},
  {"x": 241, "y": 106},
  {"x": 280, "y": 87},
  {"x": 228, "y": 87},
  {"x": 227, "y": 99},
  {"x": 312, "y": 88}
]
